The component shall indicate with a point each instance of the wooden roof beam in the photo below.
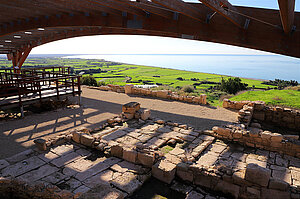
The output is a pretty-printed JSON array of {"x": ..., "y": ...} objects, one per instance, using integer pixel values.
[
  {"x": 122, "y": 7},
  {"x": 224, "y": 8},
  {"x": 150, "y": 7},
  {"x": 183, "y": 8},
  {"x": 287, "y": 9}
]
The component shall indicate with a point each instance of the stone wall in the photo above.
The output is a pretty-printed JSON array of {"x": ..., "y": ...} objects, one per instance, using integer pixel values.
[
  {"x": 277, "y": 116},
  {"x": 163, "y": 94},
  {"x": 255, "y": 137},
  {"x": 205, "y": 161}
]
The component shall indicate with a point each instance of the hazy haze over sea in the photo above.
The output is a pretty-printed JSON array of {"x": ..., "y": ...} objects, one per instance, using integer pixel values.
[{"x": 250, "y": 66}]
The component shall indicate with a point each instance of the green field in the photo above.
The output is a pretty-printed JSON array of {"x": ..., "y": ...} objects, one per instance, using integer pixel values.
[
  {"x": 121, "y": 74},
  {"x": 272, "y": 97}
]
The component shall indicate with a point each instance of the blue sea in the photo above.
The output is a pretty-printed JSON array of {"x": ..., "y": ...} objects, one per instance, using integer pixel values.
[{"x": 267, "y": 67}]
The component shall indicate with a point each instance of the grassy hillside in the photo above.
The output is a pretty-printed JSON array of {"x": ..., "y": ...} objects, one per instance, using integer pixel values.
[
  {"x": 121, "y": 74},
  {"x": 272, "y": 97}
]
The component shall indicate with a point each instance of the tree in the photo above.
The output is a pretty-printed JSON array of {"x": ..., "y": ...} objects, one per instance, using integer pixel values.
[
  {"x": 89, "y": 80},
  {"x": 232, "y": 85}
]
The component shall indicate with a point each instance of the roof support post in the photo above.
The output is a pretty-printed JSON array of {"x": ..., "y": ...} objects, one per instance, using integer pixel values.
[
  {"x": 18, "y": 58},
  {"x": 287, "y": 9}
]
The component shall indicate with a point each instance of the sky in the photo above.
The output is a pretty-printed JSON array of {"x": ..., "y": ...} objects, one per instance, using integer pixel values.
[{"x": 121, "y": 44}]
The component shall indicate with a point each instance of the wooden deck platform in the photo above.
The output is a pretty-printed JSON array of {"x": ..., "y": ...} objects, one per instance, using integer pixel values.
[{"x": 38, "y": 84}]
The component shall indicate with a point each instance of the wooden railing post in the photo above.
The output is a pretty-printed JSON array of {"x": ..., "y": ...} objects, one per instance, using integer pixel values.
[
  {"x": 57, "y": 89},
  {"x": 79, "y": 90},
  {"x": 73, "y": 87}
]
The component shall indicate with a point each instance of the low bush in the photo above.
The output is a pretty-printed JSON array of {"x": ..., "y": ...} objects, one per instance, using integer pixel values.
[
  {"x": 88, "y": 80},
  {"x": 188, "y": 89},
  {"x": 232, "y": 85}
]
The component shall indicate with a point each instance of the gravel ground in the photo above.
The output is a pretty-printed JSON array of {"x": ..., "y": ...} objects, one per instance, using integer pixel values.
[{"x": 97, "y": 106}]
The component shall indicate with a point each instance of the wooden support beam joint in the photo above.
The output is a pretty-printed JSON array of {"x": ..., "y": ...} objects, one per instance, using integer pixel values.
[
  {"x": 224, "y": 8},
  {"x": 287, "y": 9}
]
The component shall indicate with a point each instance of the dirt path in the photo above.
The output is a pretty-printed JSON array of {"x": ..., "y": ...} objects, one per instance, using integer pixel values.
[{"x": 97, "y": 107}]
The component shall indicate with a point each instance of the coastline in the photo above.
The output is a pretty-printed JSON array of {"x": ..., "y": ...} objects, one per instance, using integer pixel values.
[{"x": 257, "y": 79}]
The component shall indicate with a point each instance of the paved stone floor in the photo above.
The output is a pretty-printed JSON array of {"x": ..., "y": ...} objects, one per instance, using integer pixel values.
[
  {"x": 80, "y": 169},
  {"x": 98, "y": 106}
]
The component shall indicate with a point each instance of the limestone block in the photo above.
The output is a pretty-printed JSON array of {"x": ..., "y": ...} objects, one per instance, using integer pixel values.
[
  {"x": 205, "y": 180},
  {"x": 129, "y": 115},
  {"x": 278, "y": 184},
  {"x": 131, "y": 107},
  {"x": 257, "y": 175},
  {"x": 38, "y": 173},
  {"x": 239, "y": 178},
  {"x": 276, "y": 137},
  {"x": 76, "y": 136},
  {"x": 148, "y": 92},
  {"x": 259, "y": 105},
  {"x": 181, "y": 98},
  {"x": 164, "y": 171},
  {"x": 222, "y": 131},
  {"x": 228, "y": 188},
  {"x": 22, "y": 167},
  {"x": 41, "y": 144},
  {"x": 116, "y": 150},
  {"x": 203, "y": 99},
  {"x": 274, "y": 194},
  {"x": 188, "y": 99},
  {"x": 87, "y": 140},
  {"x": 254, "y": 132},
  {"x": 266, "y": 135},
  {"x": 127, "y": 182},
  {"x": 197, "y": 100},
  {"x": 183, "y": 172},
  {"x": 100, "y": 191},
  {"x": 295, "y": 137},
  {"x": 162, "y": 94},
  {"x": 238, "y": 105},
  {"x": 145, "y": 114},
  {"x": 154, "y": 93},
  {"x": 237, "y": 134},
  {"x": 130, "y": 155},
  {"x": 145, "y": 159},
  {"x": 253, "y": 193},
  {"x": 226, "y": 103}
]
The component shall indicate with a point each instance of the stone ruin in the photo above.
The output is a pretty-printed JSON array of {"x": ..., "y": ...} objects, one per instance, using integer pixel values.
[
  {"x": 116, "y": 159},
  {"x": 162, "y": 94},
  {"x": 257, "y": 110}
]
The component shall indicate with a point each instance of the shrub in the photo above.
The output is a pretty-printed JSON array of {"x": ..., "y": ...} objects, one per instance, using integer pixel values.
[
  {"x": 188, "y": 89},
  {"x": 232, "y": 85},
  {"x": 101, "y": 83},
  {"x": 88, "y": 80}
]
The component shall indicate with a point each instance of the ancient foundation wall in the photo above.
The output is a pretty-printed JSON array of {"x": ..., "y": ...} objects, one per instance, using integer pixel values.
[
  {"x": 277, "y": 116},
  {"x": 163, "y": 94},
  {"x": 206, "y": 162}
]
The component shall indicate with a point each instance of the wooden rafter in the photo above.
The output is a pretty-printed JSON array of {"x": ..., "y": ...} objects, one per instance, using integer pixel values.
[
  {"x": 150, "y": 7},
  {"x": 183, "y": 8},
  {"x": 59, "y": 26},
  {"x": 224, "y": 8},
  {"x": 119, "y": 6},
  {"x": 287, "y": 9}
]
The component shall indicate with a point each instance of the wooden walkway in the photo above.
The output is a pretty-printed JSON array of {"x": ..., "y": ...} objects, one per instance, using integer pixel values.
[{"x": 31, "y": 85}]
